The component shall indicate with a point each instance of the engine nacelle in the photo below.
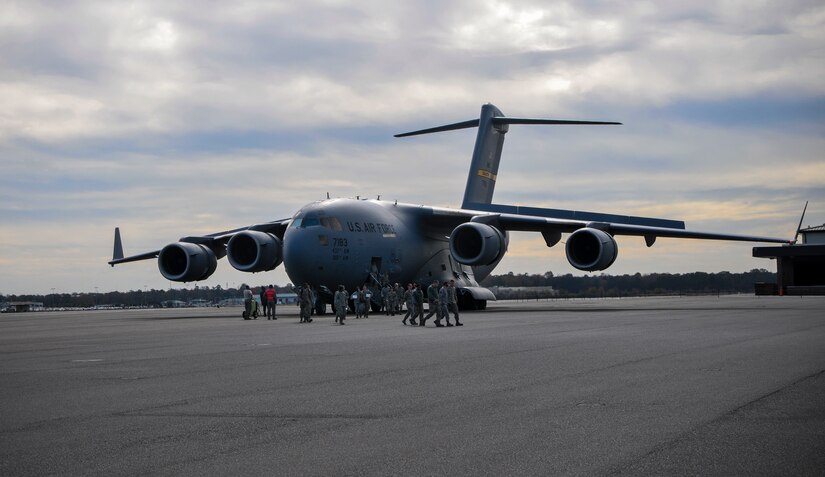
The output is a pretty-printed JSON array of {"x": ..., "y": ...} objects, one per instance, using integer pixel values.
[
  {"x": 253, "y": 251},
  {"x": 591, "y": 249},
  {"x": 187, "y": 262},
  {"x": 477, "y": 244}
]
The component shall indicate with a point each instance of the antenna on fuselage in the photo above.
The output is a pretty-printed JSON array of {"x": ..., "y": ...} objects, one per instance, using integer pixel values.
[{"x": 492, "y": 126}]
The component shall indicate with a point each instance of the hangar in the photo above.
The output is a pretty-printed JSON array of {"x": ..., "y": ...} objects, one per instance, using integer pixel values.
[
  {"x": 21, "y": 306},
  {"x": 800, "y": 268}
]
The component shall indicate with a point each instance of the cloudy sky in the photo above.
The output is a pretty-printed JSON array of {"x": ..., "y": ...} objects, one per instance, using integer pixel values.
[{"x": 180, "y": 118}]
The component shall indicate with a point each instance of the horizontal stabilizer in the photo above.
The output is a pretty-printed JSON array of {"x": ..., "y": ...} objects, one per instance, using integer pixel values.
[
  {"x": 473, "y": 123},
  {"x": 498, "y": 120},
  {"x": 503, "y": 120}
]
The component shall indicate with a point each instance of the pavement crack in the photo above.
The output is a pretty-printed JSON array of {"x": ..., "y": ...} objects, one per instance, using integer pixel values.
[{"x": 684, "y": 436}]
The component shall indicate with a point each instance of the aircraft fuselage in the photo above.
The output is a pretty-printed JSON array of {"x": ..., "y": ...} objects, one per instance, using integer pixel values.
[{"x": 351, "y": 242}]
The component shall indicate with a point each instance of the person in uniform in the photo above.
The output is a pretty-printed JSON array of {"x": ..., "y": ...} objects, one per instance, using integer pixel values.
[
  {"x": 247, "y": 302},
  {"x": 359, "y": 303},
  {"x": 340, "y": 304},
  {"x": 443, "y": 298},
  {"x": 306, "y": 304},
  {"x": 418, "y": 303},
  {"x": 367, "y": 295},
  {"x": 391, "y": 300},
  {"x": 452, "y": 302},
  {"x": 271, "y": 300},
  {"x": 312, "y": 299},
  {"x": 262, "y": 296},
  {"x": 385, "y": 292},
  {"x": 399, "y": 297},
  {"x": 408, "y": 299},
  {"x": 432, "y": 299}
]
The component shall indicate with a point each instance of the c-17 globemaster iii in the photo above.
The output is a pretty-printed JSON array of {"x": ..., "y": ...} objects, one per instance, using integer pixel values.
[{"x": 351, "y": 242}]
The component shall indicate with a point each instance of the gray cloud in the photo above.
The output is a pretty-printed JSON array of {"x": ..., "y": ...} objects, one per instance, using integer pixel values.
[{"x": 147, "y": 115}]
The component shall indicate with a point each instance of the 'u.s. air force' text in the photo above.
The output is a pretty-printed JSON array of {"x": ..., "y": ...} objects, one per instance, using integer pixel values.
[{"x": 371, "y": 227}]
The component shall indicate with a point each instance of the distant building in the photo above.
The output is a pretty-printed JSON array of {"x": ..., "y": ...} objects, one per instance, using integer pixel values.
[
  {"x": 231, "y": 302},
  {"x": 800, "y": 268},
  {"x": 287, "y": 298},
  {"x": 21, "y": 306},
  {"x": 283, "y": 299},
  {"x": 813, "y": 235}
]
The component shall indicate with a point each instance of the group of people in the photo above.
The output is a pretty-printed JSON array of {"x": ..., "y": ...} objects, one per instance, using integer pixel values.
[
  {"x": 361, "y": 300},
  {"x": 442, "y": 299},
  {"x": 269, "y": 298}
]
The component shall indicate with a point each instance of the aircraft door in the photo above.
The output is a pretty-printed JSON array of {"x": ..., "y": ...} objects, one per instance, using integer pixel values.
[{"x": 375, "y": 270}]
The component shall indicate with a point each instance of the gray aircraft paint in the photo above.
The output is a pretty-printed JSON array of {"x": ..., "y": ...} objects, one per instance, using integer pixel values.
[{"x": 351, "y": 241}]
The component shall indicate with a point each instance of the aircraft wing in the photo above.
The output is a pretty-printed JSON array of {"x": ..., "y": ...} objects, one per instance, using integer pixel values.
[
  {"x": 215, "y": 241},
  {"x": 551, "y": 223}
]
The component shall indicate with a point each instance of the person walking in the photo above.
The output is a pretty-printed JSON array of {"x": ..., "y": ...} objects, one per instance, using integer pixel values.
[
  {"x": 408, "y": 299},
  {"x": 418, "y": 303},
  {"x": 452, "y": 302},
  {"x": 443, "y": 298},
  {"x": 271, "y": 301},
  {"x": 432, "y": 299},
  {"x": 340, "y": 304}
]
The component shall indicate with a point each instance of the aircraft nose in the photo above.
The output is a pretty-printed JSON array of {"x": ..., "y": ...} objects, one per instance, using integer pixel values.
[{"x": 300, "y": 255}]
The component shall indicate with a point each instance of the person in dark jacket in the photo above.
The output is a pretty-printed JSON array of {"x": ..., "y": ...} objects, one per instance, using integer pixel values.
[{"x": 432, "y": 299}]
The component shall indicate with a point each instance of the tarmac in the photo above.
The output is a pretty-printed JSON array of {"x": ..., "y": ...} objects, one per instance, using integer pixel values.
[{"x": 730, "y": 385}]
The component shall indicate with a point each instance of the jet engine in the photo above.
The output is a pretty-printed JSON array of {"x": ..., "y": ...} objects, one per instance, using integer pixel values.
[
  {"x": 253, "y": 251},
  {"x": 477, "y": 244},
  {"x": 187, "y": 262},
  {"x": 591, "y": 249}
]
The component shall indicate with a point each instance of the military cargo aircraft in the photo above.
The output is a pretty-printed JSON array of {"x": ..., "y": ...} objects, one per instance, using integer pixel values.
[{"x": 352, "y": 242}]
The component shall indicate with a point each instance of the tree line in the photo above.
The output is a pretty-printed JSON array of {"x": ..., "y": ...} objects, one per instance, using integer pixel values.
[
  {"x": 508, "y": 285},
  {"x": 136, "y": 298},
  {"x": 696, "y": 283}
]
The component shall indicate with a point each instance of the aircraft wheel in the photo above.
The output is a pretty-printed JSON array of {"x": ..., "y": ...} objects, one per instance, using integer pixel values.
[
  {"x": 481, "y": 304},
  {"x": 320, "y": 308},
  {"x": 466, "y": 301},
  {"x": 375, "y": 307}
]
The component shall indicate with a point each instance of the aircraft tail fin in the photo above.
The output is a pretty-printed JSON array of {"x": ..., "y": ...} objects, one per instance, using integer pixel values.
[
  {"x": 117, "y": 253},
  {"x": 492, "y": 126}
]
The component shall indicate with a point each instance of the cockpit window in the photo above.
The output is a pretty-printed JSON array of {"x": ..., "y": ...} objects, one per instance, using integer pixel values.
[
  {"x": 312, "y": 219},
  {"x": 331, "y": 223}
]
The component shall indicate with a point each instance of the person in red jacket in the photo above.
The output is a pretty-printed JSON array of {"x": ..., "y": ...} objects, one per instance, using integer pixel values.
[{"x": 271, "y": 299}]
